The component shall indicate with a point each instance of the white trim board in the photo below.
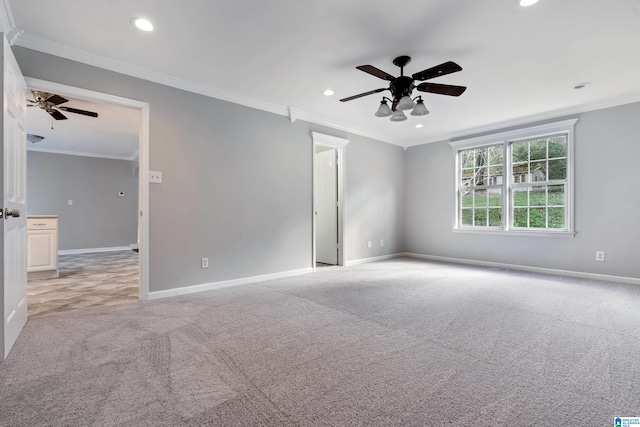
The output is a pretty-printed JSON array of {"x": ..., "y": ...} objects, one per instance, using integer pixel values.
[
  {"x": 529, "y": 269},
  {"x": 225, "y": 284},
  {"x": 374, "y": 259},
  {"x": 81, "y": 154},
  {"x": 93, "y": 250}
]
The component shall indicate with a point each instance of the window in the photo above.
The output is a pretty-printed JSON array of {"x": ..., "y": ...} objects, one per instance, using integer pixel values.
[{"x": 517, "y": 181}]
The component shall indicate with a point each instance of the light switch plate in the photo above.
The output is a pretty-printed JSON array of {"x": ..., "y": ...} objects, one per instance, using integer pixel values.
[{"x": 155, "y": 177}]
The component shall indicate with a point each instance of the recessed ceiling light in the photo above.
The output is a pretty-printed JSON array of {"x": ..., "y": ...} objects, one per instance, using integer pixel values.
[
  {"x": 143, "y": 24},
  {"x": 419, "y": 125},
  {"x": 327, "y": 92},
  {"x": 525, "y": 3},
  {"x": 581, "y": 85}
]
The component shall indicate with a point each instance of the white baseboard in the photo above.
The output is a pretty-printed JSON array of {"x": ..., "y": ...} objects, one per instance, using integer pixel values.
[
  {"x": 515, "y": 267},
  {"x": 92, "y": 250},
  {"x": 373, "y": 259},
  {"x": 226, "y": 283}
]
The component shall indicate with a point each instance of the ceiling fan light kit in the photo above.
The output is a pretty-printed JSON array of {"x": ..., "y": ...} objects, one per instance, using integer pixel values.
[
  {"x": 402, "y": 87},
  {"x": 398, "y": 116},
  {"x": 384, "y": 110},
  {"x": 405, "y": 103},
  {"x": 420, "y": 109}
]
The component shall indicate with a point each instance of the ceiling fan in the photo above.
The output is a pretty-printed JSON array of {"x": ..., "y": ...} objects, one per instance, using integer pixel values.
[
  {"x": 401, "y": 88},
  {"x": 50, "y": 102}
]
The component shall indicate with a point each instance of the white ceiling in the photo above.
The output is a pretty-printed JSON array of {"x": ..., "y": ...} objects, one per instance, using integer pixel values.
[
  {"x": 519, "y": 64},
  {"x": 113, "y": 134}
]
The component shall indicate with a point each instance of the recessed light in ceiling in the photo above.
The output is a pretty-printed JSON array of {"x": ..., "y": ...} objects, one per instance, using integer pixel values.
[
  {"x": 142, "y": 23},
  {"x": 327, "y": 92},
  {"x": 419, "y": 125},
  {"x": 581, "y": 85},
  {"x": 525, "y": 3}
]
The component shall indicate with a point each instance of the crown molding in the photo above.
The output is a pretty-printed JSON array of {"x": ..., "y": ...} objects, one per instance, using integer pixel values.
[
  {"x": 7, "y": 23},
  {"x": 528, "y": 120},
  {"x": 82, "y": 154},
  {"x": 49, "y": 47},
  {"x": 311, "y": 118}
]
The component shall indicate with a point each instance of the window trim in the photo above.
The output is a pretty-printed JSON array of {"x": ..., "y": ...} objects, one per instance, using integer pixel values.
[{"x": 504, "y": 138}]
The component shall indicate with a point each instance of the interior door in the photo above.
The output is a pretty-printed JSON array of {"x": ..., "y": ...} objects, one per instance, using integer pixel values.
[
  {"x": 13, "y": 177},
  {"x": 326, "y": 194}
]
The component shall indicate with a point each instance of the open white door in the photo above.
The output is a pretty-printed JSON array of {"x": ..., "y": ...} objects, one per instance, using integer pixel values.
[
  {"x": 14, "y": 212},
  {"x": 326, "y": 193}
]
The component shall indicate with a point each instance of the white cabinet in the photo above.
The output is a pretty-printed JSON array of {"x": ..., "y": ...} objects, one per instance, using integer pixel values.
[{"x": 42, "y": 244}]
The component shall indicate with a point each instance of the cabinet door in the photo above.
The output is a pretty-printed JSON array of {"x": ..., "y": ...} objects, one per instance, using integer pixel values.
[{"x": 43, "y": 248}]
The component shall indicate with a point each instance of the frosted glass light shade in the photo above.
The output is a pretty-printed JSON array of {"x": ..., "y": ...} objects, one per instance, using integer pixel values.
[
  {"x": 405, "y": 103},
  {"x": 383, "y": 110},
  {"x": 420, "y": 109},
  {"x": 398, "y": 116}
]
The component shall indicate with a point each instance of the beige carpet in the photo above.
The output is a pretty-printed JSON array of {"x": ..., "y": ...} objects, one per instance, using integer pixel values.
[
  {"x": 394, "y": 343},
  {"x": 86, "y": 280}
]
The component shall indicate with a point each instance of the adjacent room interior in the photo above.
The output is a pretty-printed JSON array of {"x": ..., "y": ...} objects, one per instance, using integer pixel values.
[
  {"x": 346, "y": 214},
  {"x": 82, "y": 205}
]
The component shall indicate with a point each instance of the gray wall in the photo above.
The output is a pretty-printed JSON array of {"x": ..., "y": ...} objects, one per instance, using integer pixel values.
[
  {"x": 98, "y": 218},
  {"x": 607, "y": 206},
  {"x": 237, "y": 182},
  {"x": 375, "y": 199}
]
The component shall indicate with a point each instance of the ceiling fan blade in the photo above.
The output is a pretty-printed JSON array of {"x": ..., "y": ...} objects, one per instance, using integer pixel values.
[
  {"x": 360, "y": 95},
  {"x": 56, "y": 114},
  {"x": 376, "y": 72},
  {"x": 441, "y": 89},
  {"x": 56, "y": 99},
  {"x": 75, "y": 110},
  {"x": 437, "y": 71}
]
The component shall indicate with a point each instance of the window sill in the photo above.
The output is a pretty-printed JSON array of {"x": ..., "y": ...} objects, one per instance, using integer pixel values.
[{"x": 489, "y": 232}]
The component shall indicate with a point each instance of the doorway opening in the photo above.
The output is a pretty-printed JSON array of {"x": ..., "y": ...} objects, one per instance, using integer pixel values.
[
  {"x": 93, "y": 274},
  {"x": 328, "y": 165}
]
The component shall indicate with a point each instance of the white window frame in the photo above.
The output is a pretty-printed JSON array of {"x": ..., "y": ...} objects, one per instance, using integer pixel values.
[{"x": 505, "y": 138}]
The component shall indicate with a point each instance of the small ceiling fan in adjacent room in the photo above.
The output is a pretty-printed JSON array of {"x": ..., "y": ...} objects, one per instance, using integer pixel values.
[
  {"x": 401, "y": 88},
  {"x": 50, "y": 102}
]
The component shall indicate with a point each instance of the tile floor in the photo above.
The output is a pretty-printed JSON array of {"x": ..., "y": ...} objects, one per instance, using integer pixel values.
[{"x": 86, "y": 280}]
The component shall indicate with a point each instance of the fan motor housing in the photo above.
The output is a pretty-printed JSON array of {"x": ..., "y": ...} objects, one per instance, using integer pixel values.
[{"x": 401, "y": 86}]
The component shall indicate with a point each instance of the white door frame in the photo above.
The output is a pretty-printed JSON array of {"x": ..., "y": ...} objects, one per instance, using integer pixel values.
[
  {"x": 143, "y": 175},
  {"x": 339, "y": 144}
]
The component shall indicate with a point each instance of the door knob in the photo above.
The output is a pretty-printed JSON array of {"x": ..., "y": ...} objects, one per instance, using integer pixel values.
[{"x": 14, "y": 213}]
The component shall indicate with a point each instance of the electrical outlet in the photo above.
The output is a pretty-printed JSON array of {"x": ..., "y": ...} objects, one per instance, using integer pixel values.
[
  {"x": 70, "y": 202},
  {"x": 205, "y": 263},
  {"x": 599, "y": 255},
  {"x": 381, "y": 242},
  {"x": 369, "y": 244},
  {"x": 155, "y": 177}
]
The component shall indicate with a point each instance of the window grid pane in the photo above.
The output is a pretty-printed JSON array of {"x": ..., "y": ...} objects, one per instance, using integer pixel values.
[{"x": 481, "y": 180}]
